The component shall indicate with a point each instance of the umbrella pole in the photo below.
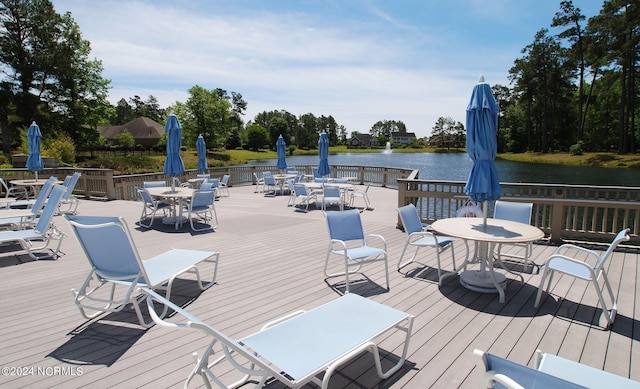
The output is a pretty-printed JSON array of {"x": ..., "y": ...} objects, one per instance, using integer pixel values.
[{"x": 485, "y": 212}]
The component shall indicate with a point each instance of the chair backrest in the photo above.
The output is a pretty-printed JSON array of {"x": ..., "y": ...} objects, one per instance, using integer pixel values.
[
  {"x": 50, "y": 208},
  {"x": 207, "y": 186},
  {"x": 5, "y": 187},
  {"x": 300, "y": 189},
  {"x": 71, "y": 185},
  {"x": 154, "y": 184},
  {"x": 145, "y": 195},
  {"x": 510, "y": 210},
  {"x": 215, "y": 182},
  {"x": 523, "y": 375},
  {"x": 292, "y": 189},
  {"x": 331, "y": 191},
  {"x": 345, "y": 225},
  {"x": 225, "y": 179},
  {"x": 40, "y": 201},
  {"x": 410, "y": 219},
  {"x": 269, "y": 180},
  {"x": 202, "y": 198},
  {"x": 619, "y": 238},
  {"x": 107, "y": 244}
]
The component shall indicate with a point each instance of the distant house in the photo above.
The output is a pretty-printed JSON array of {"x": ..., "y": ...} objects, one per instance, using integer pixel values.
[
  {"x": 363, "y": 140},
  {"x": 407, "y": 138},
  {"x": 145, "y": 131}
]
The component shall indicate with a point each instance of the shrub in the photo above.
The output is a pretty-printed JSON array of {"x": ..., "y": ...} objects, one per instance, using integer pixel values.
[
  {"x": 577, "y": 149},
  {"x": 62, "y": 149}
]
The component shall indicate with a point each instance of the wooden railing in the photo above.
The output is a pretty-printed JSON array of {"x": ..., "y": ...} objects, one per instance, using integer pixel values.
[{"x": 563, "y": 212}]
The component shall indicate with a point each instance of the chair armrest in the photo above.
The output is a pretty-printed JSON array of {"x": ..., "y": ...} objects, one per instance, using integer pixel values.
[
  {"x": 281, "y": 319},
  {"x": 151, "y": 295},
  {"x": 376, "y": 237},
  {"x": 567, "y": 246},
  {"x": 573, "y": 262}
]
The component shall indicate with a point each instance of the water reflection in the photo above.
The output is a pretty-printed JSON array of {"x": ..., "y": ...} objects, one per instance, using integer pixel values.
[{"x": 456, "y": 167}]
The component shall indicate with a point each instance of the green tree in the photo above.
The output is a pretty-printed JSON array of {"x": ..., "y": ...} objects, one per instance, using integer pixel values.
[
  {"x": 257, "y": 137},
  {"x": 209, "y": 114},
  {"x": 47, "y": 75}
]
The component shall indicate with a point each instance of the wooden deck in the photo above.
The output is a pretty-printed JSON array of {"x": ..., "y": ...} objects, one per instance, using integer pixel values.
[{"x": 271, "y": 264}]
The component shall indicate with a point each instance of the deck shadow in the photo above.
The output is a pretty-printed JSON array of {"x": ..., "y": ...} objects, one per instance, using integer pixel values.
[{"x": 106, "y": 338}]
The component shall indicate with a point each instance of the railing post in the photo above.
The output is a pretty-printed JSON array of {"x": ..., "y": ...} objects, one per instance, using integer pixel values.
[{"x": 557, "y": 212}]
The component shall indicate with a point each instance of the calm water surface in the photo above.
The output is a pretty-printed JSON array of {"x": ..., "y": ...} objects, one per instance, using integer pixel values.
[{"x": 456, "y": 167}]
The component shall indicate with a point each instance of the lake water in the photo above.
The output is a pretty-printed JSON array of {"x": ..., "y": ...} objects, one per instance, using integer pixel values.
[{"x": 456, "y": 167}]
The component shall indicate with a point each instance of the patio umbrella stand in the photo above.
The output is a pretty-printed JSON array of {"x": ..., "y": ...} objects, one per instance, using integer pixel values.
[{"x": 483, "y": 184}]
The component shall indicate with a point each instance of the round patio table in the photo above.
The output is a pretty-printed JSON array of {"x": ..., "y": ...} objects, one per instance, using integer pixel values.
[
  {"x": 496, "y": 231},
  {"x": 176, "y": 195}
]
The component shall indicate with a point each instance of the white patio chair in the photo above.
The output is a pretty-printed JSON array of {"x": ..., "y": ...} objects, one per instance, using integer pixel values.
[
  {"x": 224, "y": 185},
  {"x": 550, "y": 371},
  {"x": 292, "y": 193},
  {"x": 44, "y": 231},
  {"x": 305, "y": 196},
  {"x": 419, "y": 237},
  {"x": 37, "y": 205},
  {"x": 347, "y": 240},
  {"x": 150, "y": 207},
  {"x": 116, "y": 264},
  {"x": 304, "y": 347},
  {"x": 201, "y": 208},
  {"x": 586, "y": 265},
  {"x": 331, "y": 194},
  {"x": 17, "y": 192},
  {"x": 360, "y": 194},
  {"x": 518, "y": 212},
  {"x": 68, "y": 199},
  {"x": 270, "y": 184},
  {"x": 258, "y": 181}
]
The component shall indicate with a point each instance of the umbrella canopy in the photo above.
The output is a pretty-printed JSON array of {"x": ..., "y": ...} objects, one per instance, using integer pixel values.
[
  {"x": 201, "y": 147},
  {"x": 34, "y": 161},
  {"x": 483, "y": 184},
  {"x": 173, "y": 165},
  {"x": 281, "y": 148},
  {"x": 323, "y": 152}
]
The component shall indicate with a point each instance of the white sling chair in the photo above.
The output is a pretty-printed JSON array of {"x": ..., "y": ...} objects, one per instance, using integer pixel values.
[
  {"x": 115, "y": 262},
  {"x": 298, "y": 348}
]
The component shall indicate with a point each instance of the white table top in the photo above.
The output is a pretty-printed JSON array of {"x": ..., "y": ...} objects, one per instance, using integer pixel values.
[
  {"x": 165, "y": 191},
  {"x": 496, "y": 230}
]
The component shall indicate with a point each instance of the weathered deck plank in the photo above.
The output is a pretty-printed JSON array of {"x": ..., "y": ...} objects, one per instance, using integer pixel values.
[{"x": 271, "y": 264}]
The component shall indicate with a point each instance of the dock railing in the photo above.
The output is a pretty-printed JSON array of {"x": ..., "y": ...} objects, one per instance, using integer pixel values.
[
  {"x": 562, "y": 212},
  {"x": 579, "y": 212}
]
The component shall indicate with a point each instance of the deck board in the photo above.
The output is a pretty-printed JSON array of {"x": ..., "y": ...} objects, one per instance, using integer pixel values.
[{"x": 271, "y": 264}]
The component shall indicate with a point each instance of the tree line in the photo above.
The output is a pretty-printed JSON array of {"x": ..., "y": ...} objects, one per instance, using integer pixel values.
[{"x": 575, "y": 90}]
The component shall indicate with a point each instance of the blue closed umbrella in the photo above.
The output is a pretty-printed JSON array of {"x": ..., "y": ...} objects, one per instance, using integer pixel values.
[
  {"x": 483, "y": 184},
  {"x": 282, "y": 153},
  {"x": 34, "y": 161},
  {"x": 173, "y": 165},
  {"x": 323, "y": 152},
  {"x": 201, "y": 147}
]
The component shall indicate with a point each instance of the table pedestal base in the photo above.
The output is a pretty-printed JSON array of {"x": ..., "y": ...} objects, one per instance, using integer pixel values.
[
  {"x": 480, "y": 281},
  {"x": 174, "y": 220}
]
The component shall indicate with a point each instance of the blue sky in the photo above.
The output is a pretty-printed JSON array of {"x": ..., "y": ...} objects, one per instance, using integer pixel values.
[{"x": 360, "y": 61}]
